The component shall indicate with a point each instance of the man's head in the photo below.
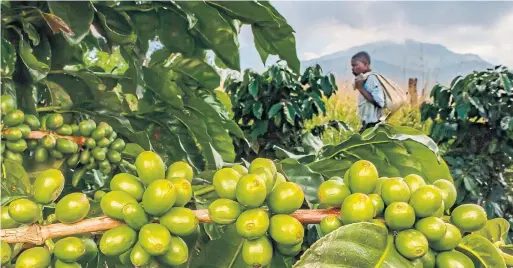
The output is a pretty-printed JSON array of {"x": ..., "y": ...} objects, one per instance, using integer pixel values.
[{"x": 360, "y": 63}]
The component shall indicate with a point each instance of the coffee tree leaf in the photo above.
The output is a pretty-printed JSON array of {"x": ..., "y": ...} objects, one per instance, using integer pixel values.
[
  {"x": 78, "y": 16},
  {"x": 354, "y": 245},
  {"x": 495, "y": 230},
  {"x": 215, "y": 32},
  {"x": 8, "y": 58},
  {"x": 482, "y": 252}
]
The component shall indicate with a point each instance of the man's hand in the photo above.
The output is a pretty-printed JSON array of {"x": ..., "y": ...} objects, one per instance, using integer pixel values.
[{"x": 359, "y": 81}]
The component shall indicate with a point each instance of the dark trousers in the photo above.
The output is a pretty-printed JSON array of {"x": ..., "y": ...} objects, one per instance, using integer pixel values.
[{"x": 366, "y": 126}]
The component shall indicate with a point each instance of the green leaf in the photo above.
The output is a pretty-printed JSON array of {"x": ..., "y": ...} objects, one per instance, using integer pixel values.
[
  {"x": 253, "y": 88},
  {"x": 101, "y": 89},
  {"x": 198, "y": 70},
  {"x": 174, "y": 34},
  {"x": 37, "y": 59},
  {"x": 63, "y": 53},
  {"x": 259, "y": 128},
  {"x": 78, "y": 15},
  {"x": 258, "y": 110},
  {"x": 223, "y": 252},
  {"x": 215, "y": 32},
  {"x": 393, "y": 154},
  {"x": 290, "y": 113},
  {"x": 495, "y": 230},
  {"x": 15, "y": 181},
  {"x": 132, "y": 150},
  {"x": 354, "y": 245},
  {"x": 136, "y": 84},
  {"x": 221, "y": 140},
  {"x": 198, "y": 127},
  {"x": 8, "y": 58},
  {"x": 481, "y": 251},
  {"x": 117, "y": 25},
  {"x": 31, "y": 31},
  {"x": 145, "y": 25},
  {"x": 305, "y": 177},
  {"x": 159, "y": 81},
  {"x": 26, "y": 94},
  {"x": 80, "y": 92},
  {"x": 330, "y": 167},
  {"x": 279, "y": 41},
  {"x": 59, "y": 95},
  {"x": 274, "y": 110},
  {"x": 225, "y": 100},
  {"x": 272, "y": 34}
]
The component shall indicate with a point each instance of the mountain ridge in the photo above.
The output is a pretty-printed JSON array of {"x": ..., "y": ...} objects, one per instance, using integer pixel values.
[{"x": 429, "y": 63}]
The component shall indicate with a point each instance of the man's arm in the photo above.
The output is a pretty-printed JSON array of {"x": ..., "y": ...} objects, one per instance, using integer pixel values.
[{"x": 374, "y": 93}]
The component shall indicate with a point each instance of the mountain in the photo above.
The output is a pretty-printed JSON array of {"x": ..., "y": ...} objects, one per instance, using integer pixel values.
[{"x": 429, "y": 63}]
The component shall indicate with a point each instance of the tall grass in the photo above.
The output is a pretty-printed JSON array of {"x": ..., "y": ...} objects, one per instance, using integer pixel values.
[{"x": 343, "y": 107}]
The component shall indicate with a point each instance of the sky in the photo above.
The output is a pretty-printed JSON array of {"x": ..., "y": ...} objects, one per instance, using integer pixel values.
[{"x": 324, "y": 27}]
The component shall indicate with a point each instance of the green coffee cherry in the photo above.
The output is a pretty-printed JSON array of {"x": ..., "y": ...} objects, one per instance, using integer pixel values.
[
  {"x": 54, "y": 121},
  {"x": 56, "y": 154},
  {"x": 48, "y": 142},
  {"x": 85, "y": 156},
  {"x": 40, "y": 154},
  {"x": 65, "y": 130},
  {"x": 73, "y": 160},
  {"x": 13, "y": 118},
  {"x": 32, "y": 121},
  {"x": 32, "y": 144},
  {"x": 75, "y": 130},
  {"x": 98, "y": 154},
  {"x": 103, "y": 142},
  {"x": 17, "y": 146},
  {"x": 66, "y": 146},
  {"x": 118, "y": 145},
  {"x": 25, "y": 130},
  {"x": 86, "y": 127},
  {"x": 114, "y": 156},
  {"x": 98, "y": 134},
  {"x": 90, "y": 143},
  {"x": 13, "y": 134}
]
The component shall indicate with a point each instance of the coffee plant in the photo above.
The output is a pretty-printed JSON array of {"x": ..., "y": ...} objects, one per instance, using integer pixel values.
[
  {"x": 117, "y": 152},
  {"x": 272, "y": 108},
  {"x": 473, "y": 123}
]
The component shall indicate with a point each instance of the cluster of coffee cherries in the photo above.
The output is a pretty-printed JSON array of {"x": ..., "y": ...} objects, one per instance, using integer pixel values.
[
  {"x": 409, "y": 207},
  {"x": 259, "y": 202}
]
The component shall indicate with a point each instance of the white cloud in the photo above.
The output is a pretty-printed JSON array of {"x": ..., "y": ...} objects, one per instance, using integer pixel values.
[{"x": 493, "y": 44}]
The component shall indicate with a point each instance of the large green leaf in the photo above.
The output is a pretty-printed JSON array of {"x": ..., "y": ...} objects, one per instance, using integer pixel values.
[
  {"x": 215, "y": 32},
  {"x": 59, "y": 95},
  {"x": 495, "y": 230},
  {"x": 393, "y": 154},
  {"x": 15, "y": 181},
  {"x": 101, "y": 89},
  {"x": 145, "y": 25},
  {"x": 174, "y": 34},
  {"x": 481, "y": 251},
  {"x": 80, "y": 92},
  {"x": 197, "y": 70},
  {"x": 37, "y": 59},
  {"x": 78, "y": 15},
  {"x": 117, "y": 25},
  {"x": 354, "y": 245},
  {"x": 273, "y": 35},
  {"x": 223, "y": 252},
  {"x": 8, "y": 58},
  {"x": 159, "y": 81}
]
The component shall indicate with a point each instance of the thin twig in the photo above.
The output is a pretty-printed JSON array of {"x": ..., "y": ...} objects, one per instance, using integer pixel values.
[{"x": 37, "y": 234}]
